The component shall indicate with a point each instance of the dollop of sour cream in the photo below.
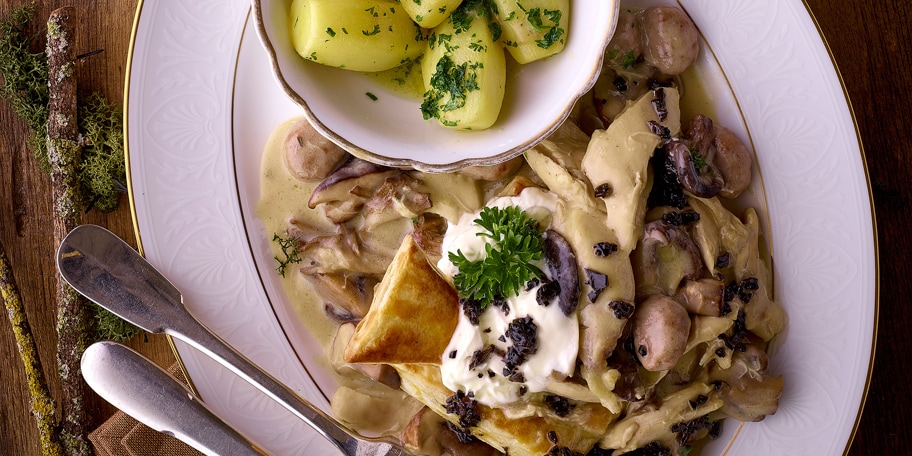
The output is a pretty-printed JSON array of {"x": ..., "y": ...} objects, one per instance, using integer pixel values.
[{"x": 557, "y": 334}]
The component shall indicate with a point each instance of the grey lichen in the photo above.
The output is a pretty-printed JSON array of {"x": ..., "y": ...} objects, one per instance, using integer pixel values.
[{"x": 102, "y": 169}]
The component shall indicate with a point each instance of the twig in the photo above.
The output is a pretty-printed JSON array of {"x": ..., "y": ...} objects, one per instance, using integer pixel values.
[
  {"x": 39, "y": 397},
  {"x": 63, "y": 155}
]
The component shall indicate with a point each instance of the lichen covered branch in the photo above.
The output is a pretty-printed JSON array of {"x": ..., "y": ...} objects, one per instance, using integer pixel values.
[
  {"x": 73, "y": 321},
  {"x": 39, "y": 397}
]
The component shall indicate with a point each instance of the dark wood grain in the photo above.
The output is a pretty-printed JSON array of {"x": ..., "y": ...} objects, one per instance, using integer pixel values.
[
  {"x": 26, "y": 222},
  {"x": 870, "y": 42}
]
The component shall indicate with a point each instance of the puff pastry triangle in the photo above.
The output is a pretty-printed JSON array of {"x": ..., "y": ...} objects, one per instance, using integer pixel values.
[{"x": 413, "y": 314}]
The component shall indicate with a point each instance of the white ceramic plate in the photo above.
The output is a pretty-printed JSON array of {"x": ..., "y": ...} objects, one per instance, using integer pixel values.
[{"x": 201, "y": 102}]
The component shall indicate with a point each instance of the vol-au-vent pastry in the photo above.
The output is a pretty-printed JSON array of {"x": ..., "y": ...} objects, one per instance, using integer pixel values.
[
  {"x": 412, "y": 317},
  {"x": 533, "y": 434}
]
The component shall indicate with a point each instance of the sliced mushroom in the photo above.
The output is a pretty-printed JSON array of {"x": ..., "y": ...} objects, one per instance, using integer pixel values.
[
  {"x": 343, "y": 251},
  {"x": 733, "y": 161},
  {"x": 748, "y": 393},
  {"x": 398, "y": 197},
  {"x": 701, "y": 134},
  {"x": 702, "y": 297},
  {"x": 726, "y": 153},
  {"x": 672, "y": 39},
  {"x": 342, "y": 211},
  {"x": 615, "y": 87},
  {"x": 304, "y": 229},
  {"x": 355, "y": 178},
  {"x": 562, "y": 264},
  {"x": 417, "y": 437},
  {"x": 700, "y": 179},
  {"x": 661, "y": 326},
  {"x": 428, "y": 231},
  {"x": 308, "y": 154},
  {"x": 429, "y": 434},
  {"x": 340, "y": 314},
  {"x": 665, "y": 256},
  {"x": 346, "y": 297}
]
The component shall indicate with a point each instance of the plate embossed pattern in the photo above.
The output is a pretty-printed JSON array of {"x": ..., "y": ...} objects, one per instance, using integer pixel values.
[
  {"x": 201, "y": 103},
  {"x": 185, "y": 197},
  {"x": 812, "y": 168}
]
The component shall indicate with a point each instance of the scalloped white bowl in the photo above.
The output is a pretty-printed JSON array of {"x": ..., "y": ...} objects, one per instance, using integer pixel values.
[{"x": 390, "y": 130}]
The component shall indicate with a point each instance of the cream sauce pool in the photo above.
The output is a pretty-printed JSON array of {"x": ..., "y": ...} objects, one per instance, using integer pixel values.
[{"x": 284, "y": 198}]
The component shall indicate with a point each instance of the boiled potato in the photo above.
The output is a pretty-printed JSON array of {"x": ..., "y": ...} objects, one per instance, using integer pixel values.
[
  {"x": 429, "y": 13},
  {"x": 464, "y": 71},
  {"x": 359, "y": 35},
  {"x": 533, "y": 29}
]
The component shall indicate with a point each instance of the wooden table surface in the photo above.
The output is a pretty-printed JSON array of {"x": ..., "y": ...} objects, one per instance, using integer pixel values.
[{"x": 870, "y": 42}]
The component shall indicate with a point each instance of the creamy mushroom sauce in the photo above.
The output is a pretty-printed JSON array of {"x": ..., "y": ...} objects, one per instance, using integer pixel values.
[
  {"x": 282, "y": 198},
  {"x": 362, "y": 403},
  {"x": 374, "y": 407}
]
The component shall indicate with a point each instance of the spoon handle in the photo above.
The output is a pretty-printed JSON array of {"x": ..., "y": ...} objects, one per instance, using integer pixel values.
[
  {"x": 194, "y": 333},
  {"x": 144, "y": 391}
]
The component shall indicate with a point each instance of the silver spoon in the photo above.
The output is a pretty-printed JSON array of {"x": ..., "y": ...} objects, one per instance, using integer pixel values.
[
  {"x": 104, "y": 268},
  {"x": 146, "y": 392}
]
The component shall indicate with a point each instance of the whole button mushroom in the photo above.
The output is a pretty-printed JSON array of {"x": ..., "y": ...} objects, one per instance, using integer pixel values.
[
  {"x": 672, "y": 39},
  {"x": 308, "y": 154},
  {"x": 733, "y": 161},
  {"x": 626, "y": 45},
  {"x": 661, "y": 326},
  {"x": 728, "y": 171}
]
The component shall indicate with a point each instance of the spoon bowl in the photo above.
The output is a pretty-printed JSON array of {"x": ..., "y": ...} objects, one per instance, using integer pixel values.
[{"x": 153, "y": 397}]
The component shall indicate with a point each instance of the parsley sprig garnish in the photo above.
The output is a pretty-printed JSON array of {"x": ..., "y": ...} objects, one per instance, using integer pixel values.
[{"x": 507, "y": 266}]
